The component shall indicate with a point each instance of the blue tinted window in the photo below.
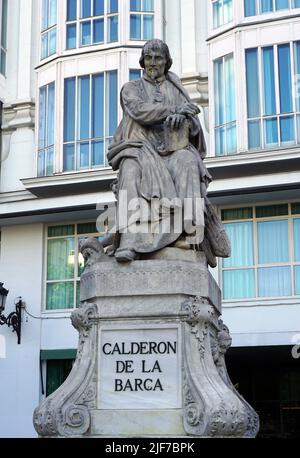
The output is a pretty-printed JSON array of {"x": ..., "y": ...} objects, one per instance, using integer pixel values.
[
  {"x": 113, "y": 101},
  {"x": 86, "y": 8},
  {"x": 71, "y": 36},
  {"x": 98, "y": 7},
  {"x": 98, "y": 105},
  {"x": 98, "y": 31},
  {"x": 285, "y": 78},
  {"x": 250, "y": 7},
  {"x": 112, "y": 28},
  {"x": 71, "y": 10},
  {"x": 281, "y": 4},
  {"x": 252, "y": 76},
  {"x": 69, "y": 110},
  {"x": 84, "y": 106},
  {"x": 269, "y": 81}
]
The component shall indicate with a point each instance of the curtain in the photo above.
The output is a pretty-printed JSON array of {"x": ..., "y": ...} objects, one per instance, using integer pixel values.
[
  {"x": 71, "y": 10},
  {"x": 98, "y": 31},
  {"x": 217, "y": 13},
  {"x": 266, "y": 5},
  {"x": 98, "y": 7},
  {"x": 287, "y": 133},
  {"x": 219, "y": 95},
  {"x": 51, "y": 113},
  {"x": 85, "y": 33},
  {"x": 52, "y": 13},
  {"x": 281, "y": 4},
  {"x": 230, "y": 114},
  {"x": 69, "y": 109},
  {"x": 252, "y": 75},
  {"x": 297, "y": 239},
  {"x": 60, "y": 264},
  {"x": 148, "y": 5},
  {"x": 98, "y": 106},
  {"x": 112, "y": 82},
  {"x": 71, "y": 36},
  {"x": 227, "y": 11},
  {"x": 285, "y": 78},
  {"x": 250, "y": 7},
  {"x": 112, "y": 26},
  {"x": 60, "y": 295},
  {"x": 274, "y": 281},
  {"x": 269, "y": 81},
  {"x": 254, "y": 135},
  {"x": 231, "y": 139},
  {"x": 42, "y": 117},
  {"x": 238, "y": 284},
  {"x": 241, "y": 239},
  {"x": 273, "y": 243},
  {"x": 148, "y": 26}
]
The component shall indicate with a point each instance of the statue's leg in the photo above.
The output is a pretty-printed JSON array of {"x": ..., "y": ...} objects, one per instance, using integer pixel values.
[
  {"x": 183, "y": 166},
  {"x": 129, "y": 185}
]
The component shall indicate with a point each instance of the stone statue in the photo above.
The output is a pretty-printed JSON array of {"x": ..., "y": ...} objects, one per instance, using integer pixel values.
[
  {"x": 166, "y": 299},
  {"x": 159, "y": 149}
]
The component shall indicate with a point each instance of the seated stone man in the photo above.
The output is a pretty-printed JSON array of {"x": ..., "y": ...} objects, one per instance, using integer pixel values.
[{"x": 152, "y": 166}]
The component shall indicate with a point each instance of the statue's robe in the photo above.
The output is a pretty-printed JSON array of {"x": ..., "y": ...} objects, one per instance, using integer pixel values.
[{"x": 143, "y": 172}]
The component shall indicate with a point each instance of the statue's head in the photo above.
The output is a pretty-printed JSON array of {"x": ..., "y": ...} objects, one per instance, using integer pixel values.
[{"x": 156, "y": 58}]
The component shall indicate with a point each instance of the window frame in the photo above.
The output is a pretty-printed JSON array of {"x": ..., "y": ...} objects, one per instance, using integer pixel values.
[
  {"x": 48, "y": 30},
  {"x": 47, "y": 147},
  {"x": 79, "y": 20},
  {"x": 141, "y": 13},
  {"x": 222, "y": 23},
  {"x": 229, "y": 124},
  {"x": 76, "y": 278},
  {"x": 106, "y": 138},
  {"x": 291, "y": 263},
  {"x": 262, "y": 117}
]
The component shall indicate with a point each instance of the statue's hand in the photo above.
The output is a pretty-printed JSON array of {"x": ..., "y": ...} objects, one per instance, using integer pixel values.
[
  {"x": 175, "y": 121},
  {"x": 189, "y": 109}
]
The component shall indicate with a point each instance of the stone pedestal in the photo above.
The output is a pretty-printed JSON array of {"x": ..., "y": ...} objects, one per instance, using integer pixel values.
[{"x": 150, "y": 359}]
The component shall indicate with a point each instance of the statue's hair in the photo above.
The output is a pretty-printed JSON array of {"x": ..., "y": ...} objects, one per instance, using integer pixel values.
[{"x": 155, "y": 45}]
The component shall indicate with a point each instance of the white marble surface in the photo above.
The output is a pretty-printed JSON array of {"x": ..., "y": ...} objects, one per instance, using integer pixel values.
[{"x": 149, "y": 376}]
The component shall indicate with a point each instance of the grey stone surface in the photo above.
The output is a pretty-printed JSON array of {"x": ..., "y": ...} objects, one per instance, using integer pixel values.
[
  {"x": 209, "y": 405},
  {"x": 151, "y": 349}
]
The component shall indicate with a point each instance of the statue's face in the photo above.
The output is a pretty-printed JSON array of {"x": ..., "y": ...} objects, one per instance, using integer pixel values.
[{"x": 155, "y": 63}]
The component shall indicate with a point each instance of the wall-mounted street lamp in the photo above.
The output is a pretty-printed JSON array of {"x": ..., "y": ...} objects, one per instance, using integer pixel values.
[{"x": 14, "y": 318}]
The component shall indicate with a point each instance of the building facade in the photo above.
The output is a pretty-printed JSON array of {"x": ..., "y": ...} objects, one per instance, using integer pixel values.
[{"x": 62, "y": 65}]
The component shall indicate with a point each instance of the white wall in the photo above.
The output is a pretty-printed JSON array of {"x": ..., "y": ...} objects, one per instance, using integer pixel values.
[{"x": 21, "y": 272}]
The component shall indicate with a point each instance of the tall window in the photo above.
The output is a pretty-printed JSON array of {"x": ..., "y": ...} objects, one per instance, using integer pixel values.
[
  {"x": 255, "y": 7},
  {"x": 225, "y": 113},
  {"x": 65, "y": 264},
  {"x": 265, "y": 260},
  {"x": 46, "y": 130},
  {"x": 273, "y": 74},
  {"x": 49, "y": 26},
  {"x": 91, "y": 22},
  {"x": 3, "y": 44},
  {"x": 90, "y": 119},
  {"x": 222, "y": 12},
  {"x": 141, "y": 19}
]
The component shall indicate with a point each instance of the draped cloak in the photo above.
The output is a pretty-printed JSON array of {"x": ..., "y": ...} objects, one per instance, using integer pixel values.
[{"x": 146, "y": 104}]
